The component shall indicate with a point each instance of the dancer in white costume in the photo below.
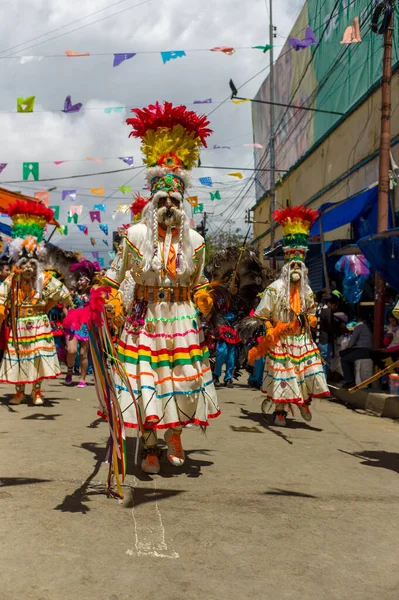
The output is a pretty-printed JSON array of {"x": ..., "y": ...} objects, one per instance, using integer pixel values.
[{"x": 164, "y": 290}]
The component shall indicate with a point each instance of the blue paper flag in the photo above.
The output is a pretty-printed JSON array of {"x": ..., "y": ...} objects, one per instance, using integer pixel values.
[
  {"x": 207, "y": 101},
  {"x": 105, "y": 242},
  {"x": 104, "y": 228},
  {"x": 119, "y": 58},
  {"x": 101, "y": 207},
  {"x": 101, "y": 261},
  {"x": 83, "y": 228},
  {"x": 206, "y": 181},
  {"x": 167, "y": 56}
]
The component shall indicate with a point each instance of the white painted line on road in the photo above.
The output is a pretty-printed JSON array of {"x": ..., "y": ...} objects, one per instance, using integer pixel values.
[{"x": 149, "y": 529}]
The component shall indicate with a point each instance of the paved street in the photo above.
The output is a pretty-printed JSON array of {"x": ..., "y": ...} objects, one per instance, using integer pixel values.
[{"x": 256, "y": 513}]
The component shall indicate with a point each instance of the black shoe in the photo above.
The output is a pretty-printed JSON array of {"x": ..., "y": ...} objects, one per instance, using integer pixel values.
[
  {"x": 216, "y": 382},
  {"x": 229, "y": 383}
]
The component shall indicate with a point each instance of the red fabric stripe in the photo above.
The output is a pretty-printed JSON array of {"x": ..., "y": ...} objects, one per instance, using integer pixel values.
[
  {"x": 171, "y": 352},
  {"x": 168, "y": 425}
]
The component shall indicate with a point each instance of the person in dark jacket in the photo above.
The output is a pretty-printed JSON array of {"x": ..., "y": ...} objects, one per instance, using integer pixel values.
[{"x": 360, "y": 346}]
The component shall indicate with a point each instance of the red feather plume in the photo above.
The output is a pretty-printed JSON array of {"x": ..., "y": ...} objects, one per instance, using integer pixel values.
[
  {"x": 166, "y": 115},
  {"x": 295, "y": 212},
  {"x": 24, "y": 207},
  {"x": 138, "y": 204}
]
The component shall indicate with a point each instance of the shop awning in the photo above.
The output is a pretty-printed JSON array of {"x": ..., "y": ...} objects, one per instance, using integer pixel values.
[
  {"x": 382, "y": 252},
  {"x": 350, "y": 210}
]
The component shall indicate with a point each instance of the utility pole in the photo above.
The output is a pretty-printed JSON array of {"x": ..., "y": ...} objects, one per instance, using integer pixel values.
[
  {"x": 383, "y": 176},
  {"x": 272, "y": 140}
]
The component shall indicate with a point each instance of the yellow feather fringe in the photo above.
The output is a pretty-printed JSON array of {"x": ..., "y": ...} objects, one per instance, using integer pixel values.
[
  {"x": 166, "y": 141},
  {"x": 296, "y": 226}
]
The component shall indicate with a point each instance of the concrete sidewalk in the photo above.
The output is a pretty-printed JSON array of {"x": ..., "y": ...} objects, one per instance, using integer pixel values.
[{"x": 307, "y": 512}]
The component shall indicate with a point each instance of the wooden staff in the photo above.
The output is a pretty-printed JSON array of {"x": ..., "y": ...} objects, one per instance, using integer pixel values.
[{"x": 374, "y": 377}]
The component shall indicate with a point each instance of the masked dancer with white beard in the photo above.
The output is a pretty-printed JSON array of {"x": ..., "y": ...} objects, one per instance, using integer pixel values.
[
  {"x": 293, "y": 371},
  {"x": 163, "y": 289},
  {"x": 26, "y": 296}
]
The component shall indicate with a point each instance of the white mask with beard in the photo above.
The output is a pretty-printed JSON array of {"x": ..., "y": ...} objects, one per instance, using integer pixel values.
[
  {"x": 295, "y": 272},
  {"x": 169, "y": 211}
]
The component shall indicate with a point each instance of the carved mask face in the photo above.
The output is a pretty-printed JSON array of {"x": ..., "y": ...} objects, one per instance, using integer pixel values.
[
  {"x": 29, "y": 269},
  {"x": 169, "y": 211},
  {"x": 295, "y": 271}
]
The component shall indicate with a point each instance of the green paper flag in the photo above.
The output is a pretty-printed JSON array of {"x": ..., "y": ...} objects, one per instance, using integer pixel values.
[
  {"x": 199, "y": 208},
  {"x": 215, "y": 196},
  {"x": 263, "y": 48},
  {"x": 56, "y": 211},
  {"x": 25, "y": 105},
  {"x": 63, "y": 230},
  {"x": 73, "y": 218},
  {"x": 30, "y": 168},
  {"x": 124, "y": 188}
]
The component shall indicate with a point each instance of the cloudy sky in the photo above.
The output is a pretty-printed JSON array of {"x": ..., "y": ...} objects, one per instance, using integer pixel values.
[{"x": 50, "y": 27}]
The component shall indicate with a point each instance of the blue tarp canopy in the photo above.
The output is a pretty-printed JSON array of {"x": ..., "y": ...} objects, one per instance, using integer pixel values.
[
  {"x": 361, "y": 210},
  {"x": 382, "y": 252},
  {"x": 6, "y": 229}
]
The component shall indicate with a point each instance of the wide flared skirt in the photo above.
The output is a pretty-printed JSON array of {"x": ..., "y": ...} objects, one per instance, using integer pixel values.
[
  {"x": 168, "y": 367},
  {"x": 294, "y": 372},
  {"x": 34, "y": 357}
]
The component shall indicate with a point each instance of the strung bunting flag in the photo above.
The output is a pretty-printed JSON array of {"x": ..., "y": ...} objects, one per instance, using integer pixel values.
[
  {"x": 206, "y": 181},
  {"x": 59, "y": 162},
  {"x": 25, "y": 105},
  {"x": 236, "y": 101},
  {"x": 215, "y": 147},
  {"x": 73, "y": 53},
  {"x": 101, "y": 207},
  {"x": 352, "y": 33},
  {"x": 199, "y": 209},
  {"x": 92, "y": 241},
  {"x": 97, "y": 160},
  {"x": 225, "y": 49},
  {"x": 215, "y": 196},
  {"x": 308, "y": 40},
  {"x": 97, "y": 191},
  {"x": 104, "y": 228},
  {"x": 124, "y": 188},
  {"x": 25, "y": 59},
  {"x": 112, "y": 254},
  {"x": 95, "y": 253},
  {"x": 193, "y": 200},
  {"x": 71, "y": 108},
  {"x": 43, "y": 196},
  {"x": 253, "y": 145},
  {"x": 76, "y": 209},
  {"x": 127, "y": 159},
  {"x": 2, "y": 166},
  {"x": 70, "y": 193},
  {"x": 63, "y": 230},
  {"x": 105, "y": 242},
  {"x": 263, "y": 48},
  {"x": 56, "y": 211},
  {"x": 171, "y": 55},
  {"x": 83, "y": 228},
  {"x": 207, "y": 101},
  {"x": 101, "y": 262},
  {"x": 237, "y": 174},
  {"x": 122, "y": 208},
  {"x": 120, "y": 58},
  {"x": 95, "y": 215},
  {"x": 110, "y": 109},
  {"x": 73, "y": 218},
  {"x": 29, "y": 168}
]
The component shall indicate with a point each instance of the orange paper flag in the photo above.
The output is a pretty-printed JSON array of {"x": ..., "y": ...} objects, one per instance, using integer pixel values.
[
  {"x": 73, "y": 53},
  {"x": 97, "y": 191}
]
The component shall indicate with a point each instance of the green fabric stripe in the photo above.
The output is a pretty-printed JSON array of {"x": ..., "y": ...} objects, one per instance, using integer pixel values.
[{"x": 163, "y": 363}]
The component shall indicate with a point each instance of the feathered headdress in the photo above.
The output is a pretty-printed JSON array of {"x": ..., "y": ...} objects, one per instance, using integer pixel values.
[
  {"x": 29, "y": 220},
  {"x": 296, "y": 223},
  {"x": 171, "y": 139},
  {"x": 85, "y": 267},
  {"x": 137, "y": 206}
]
